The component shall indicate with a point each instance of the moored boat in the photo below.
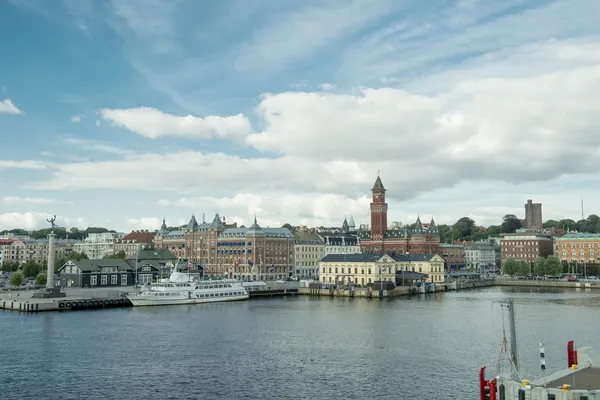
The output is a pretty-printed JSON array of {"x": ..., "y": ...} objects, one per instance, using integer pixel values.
[{"x": 179, "y": 288}]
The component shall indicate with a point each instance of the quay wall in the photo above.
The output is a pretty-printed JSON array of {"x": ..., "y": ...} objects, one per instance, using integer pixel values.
[
  {"x": 397, "y": 292},
  {"x": 547, "y": 283}
]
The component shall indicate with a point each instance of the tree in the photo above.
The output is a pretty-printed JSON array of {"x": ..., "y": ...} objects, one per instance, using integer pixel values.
[
  {"x": 31, "y": 269},
  {"x": 10, "y": 266},
  {"x": 77, "y": 256},
  {"x": 59, "y": 262},
  {"x": 553, "y": 266},
  {"x": 540, "y": 267},
  {"x": 40, "y": 279},
  {"x": 510, "y": 223},
  {"x": 120, "y": 255},
  {"x": 288, "y": 227},
  {"x": 510, "y": 267},
  {"x": 523, "y": 268},
  {"x": 465, "y": 227},
  {"x": 16, "y": 279}
]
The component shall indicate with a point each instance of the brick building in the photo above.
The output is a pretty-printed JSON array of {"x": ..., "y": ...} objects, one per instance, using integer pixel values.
[
  {"x": 423, "y": 239},
  {"x": 130, "y": 243},
  {"x": 453, "y": 255},
  {"x": 525, "y": 245}
]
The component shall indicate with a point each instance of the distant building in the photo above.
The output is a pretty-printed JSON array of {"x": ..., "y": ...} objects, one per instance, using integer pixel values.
[
  {"x": 423, "y": 239},
  {"x": 97, "y": 272},
  {"x": 579, "y": 248},
  {"x": 525, "y": 245},
  {"x": 134, "y": 241},
  {"x": 533, "y": 215},
  {"x": 453, "y": 255},
  {"x": 342, "y": 240},
  {"x": 309, "y": 248},
  {"x": 480, "y": 256},
  {"x": 98, "y": 245}
]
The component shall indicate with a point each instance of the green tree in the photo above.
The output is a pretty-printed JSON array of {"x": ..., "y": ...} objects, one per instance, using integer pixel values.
[
  {"x": 567, "y": 224},
  {"x": 540, "y": 267},
  {"x": 288, "y": 227},
  {"x": 31, "y": 269},
  {"x": 465, "y": 227},
  {"x": 16, "y": 279},
  {"x": 40, "y": 279},
  {"x": 553, "y": 266},
  {"x": 523, "y": 268},
  {"x": 10, "y": 266},
  {"x": 59, "y": 262},
  {"x": 120, "y": 255},
  {"x": 510, "y": 267},
  {"x": 77, "y": 256},
  {"x": 510, "y": 223}
]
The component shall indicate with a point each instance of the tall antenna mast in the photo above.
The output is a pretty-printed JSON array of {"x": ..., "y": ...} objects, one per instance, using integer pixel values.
[{"x": 582, "y": 208}]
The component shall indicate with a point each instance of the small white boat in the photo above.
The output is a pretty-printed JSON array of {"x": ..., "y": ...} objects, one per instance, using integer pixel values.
[{"x": 180, "y": 289}]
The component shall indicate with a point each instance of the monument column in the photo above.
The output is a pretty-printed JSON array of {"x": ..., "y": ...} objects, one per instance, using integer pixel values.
[{"x": 51, "y": 256}]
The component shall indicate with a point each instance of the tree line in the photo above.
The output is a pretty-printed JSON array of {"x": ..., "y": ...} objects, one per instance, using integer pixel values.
[{"x": 60, "y": 232}]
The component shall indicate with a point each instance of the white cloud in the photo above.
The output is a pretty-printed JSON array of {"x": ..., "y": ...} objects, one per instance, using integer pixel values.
[
  {"x": 75, "y": 119},
  {"x": 150, "y": 224},
  {"x": 25, "y": 164},
  {"x": 36, "y": 220},
  {"x": 327, "y": 86},
  {"x": 11, "y": 200},
  {"x": 152, "y": 123},
  {"x": 92, "y": 145},
  {"x": 7, "y": 106}
]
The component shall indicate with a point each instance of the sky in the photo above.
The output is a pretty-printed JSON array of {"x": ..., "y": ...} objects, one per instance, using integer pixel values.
[{"x": 119, "y": 113}]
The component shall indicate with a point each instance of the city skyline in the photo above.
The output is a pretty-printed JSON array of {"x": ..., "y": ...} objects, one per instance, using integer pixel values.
[{"x": 118, "y": 114}]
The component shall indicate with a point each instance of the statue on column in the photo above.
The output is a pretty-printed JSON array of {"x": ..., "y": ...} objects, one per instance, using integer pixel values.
[{"x": 51, "y": 220}]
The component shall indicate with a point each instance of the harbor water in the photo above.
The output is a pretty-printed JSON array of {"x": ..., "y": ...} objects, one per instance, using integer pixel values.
[{"x": 425, "y": 347}]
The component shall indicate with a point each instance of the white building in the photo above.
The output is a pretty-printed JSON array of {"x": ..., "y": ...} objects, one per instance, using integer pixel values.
[
  {"x": 341, "y": 240},
  {"x": 98, "y": 245},
  {"x": 480, "y": 255},
  {"x": 0, "y": 258},
  {"x": 309, "y": 249}
]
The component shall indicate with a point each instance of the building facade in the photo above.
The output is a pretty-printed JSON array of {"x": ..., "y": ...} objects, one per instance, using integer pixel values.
[
  {"x": 423, "y": 239},
  {"x": 342, "y": 240},
  {"x": 578, "y": 248},
  {"x": 309, "y": 249},
  {"x": 254, "y": 253},
  {"x": 533, "y": 215},
  {"x": 96, "y": 273},
  {"x": 133, "y": 242},
  {"x": 98, "y": 245},
  {"x": 362, "y": 269},
  {"x": 480, "y": 256},
  {"x": 453, "y": 255},
  {"x": 525, "y": 245},
  {"x": 201, "y": 243}
]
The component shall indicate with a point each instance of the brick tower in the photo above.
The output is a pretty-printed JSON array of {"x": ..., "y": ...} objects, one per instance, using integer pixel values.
[{"x": 379, "y": 210}]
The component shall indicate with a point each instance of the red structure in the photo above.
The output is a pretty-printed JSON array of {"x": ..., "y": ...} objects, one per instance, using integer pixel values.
[
  {"x": 487, "y": 389},
  {"x": 571, "y": 354}
]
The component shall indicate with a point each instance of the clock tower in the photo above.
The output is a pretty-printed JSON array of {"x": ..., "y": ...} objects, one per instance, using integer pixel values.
[{"x": 378, "y": 211}]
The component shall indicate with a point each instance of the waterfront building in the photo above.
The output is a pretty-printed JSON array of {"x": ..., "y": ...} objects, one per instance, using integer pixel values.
[
  {"x": 578, "y": 248},
  {"x": 94, "y": 273},
  {"x": 533, "y": 215},
  {"x": 134, "y": 241},
  {"x": 98, "y": 245},
  {"x": 525, "y": 245},
  {"x": 255, "y": 253},
  {"x": 453, "y": 255},
  {"x": 480, "y": 256},
  {"x": 13, "y": 250},
  {"x": 309, "y": 248},
  {"x": 423, "y": 239},
  {"x": 201, "y": 242},
  {"x": 362, "y": 269}
]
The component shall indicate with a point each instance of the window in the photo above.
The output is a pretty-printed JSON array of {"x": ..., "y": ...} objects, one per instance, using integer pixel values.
[
  {"x": 113, "y": 279},
  {"x": 123, "y": 280},
  {"x": 93, "y": 280},
  {"x": 104, "y": 280}
]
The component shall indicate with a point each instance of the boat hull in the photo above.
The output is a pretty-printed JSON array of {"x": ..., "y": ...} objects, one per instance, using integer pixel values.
[{"x": 147, "y": 301}]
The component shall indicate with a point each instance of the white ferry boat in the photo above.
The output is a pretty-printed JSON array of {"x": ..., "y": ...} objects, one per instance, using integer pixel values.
[{"x": 180, "y": 289}]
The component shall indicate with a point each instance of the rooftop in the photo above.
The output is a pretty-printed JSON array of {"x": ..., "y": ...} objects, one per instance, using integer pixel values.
[
  {"x": 580, "y": 236},
  {"x": 582, "y": 379}
]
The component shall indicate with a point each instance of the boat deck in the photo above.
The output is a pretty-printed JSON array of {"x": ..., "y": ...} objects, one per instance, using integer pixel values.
[{"x": 583, "y": 379}]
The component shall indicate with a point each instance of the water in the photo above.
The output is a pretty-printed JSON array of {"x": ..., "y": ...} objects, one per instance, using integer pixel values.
[{"x": 303, "y": 348}]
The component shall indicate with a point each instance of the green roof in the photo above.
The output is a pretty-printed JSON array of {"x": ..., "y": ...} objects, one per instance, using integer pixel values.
[
  {"x": 160, "y": 254},
  {"x": 580, "y": 236}
]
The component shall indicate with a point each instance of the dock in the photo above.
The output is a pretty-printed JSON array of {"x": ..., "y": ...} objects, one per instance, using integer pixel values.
[{"x": 97, "y": 298}]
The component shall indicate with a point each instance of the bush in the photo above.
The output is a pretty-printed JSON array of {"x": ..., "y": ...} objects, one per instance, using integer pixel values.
[
  {"x": 40, "y": 279},
  {"x": 16, "y": 279}
]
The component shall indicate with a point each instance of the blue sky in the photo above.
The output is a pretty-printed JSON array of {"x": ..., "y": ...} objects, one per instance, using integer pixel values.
[{"x": 117, "y": 113}]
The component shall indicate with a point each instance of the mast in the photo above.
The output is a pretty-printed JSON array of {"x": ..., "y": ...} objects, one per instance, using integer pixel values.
[{"x": 513, "y": 335}]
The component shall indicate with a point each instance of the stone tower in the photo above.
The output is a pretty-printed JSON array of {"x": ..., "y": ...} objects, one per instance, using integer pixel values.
[
  {"x": 379, "y": 210},
  {"x": 533, "y": 215}
]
